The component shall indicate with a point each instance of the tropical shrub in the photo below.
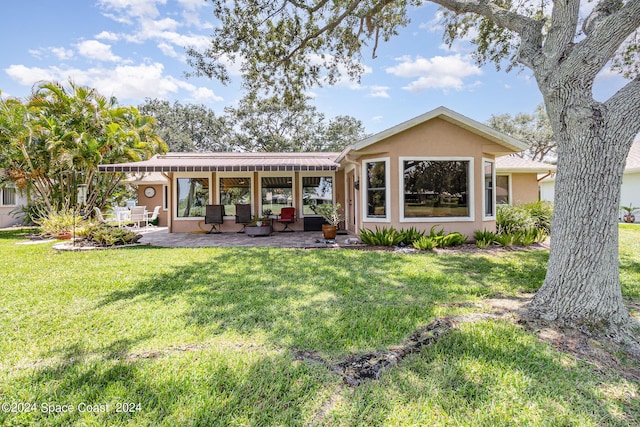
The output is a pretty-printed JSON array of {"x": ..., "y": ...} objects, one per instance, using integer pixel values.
[
  {"x": 411, "y": 235},
  {"x": 381, "y": 236},
  {"x": 505, "y": 239},
  {"x": 541, "y": 212},
  {"x": 424, "y": 243},
  {"x": 104, "y": 235},
  {"x": 56, "y": 223},
  {"x": 451, "y": 239},
  {"x": 511, "y": 219},
  {"x": 484, "y": 238}
]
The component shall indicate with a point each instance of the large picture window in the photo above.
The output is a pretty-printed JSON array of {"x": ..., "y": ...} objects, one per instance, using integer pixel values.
[
  {"x": 376, "y": 189},
  {"x": 436, "y": 188},
  {"x": 316, "y": 190},
  {"x": 277, "y": 193},
  {"x": 232, "y": 191},
  {"x": 192, "y": 196}
]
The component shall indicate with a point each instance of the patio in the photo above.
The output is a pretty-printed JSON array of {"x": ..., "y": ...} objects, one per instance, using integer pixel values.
[{"x": 301, "y": 239}]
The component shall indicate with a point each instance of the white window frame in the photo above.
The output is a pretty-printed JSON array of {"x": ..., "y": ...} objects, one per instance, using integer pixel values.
[
  {"x": 282, "y": 174},
  {"x": 15, "y": 195},
  {"x": 509, "y": 190},
  {"x": 486, "y": 217},
  {"x": 470, "y": 181},
  {"x": 301, "y": 198},
  {"x": 179, "y": 175},
  {"x": 364, "y": 183},
  {"x": 247, "y": 175}
]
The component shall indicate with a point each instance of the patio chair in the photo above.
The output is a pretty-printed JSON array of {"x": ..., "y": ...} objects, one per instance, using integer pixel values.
[
  {"x": 104, "y": 219},
  {"x": 287, "y": 216},
  {"x": 243, "y": 215},
  {"x": 138, "y": 215},
  {"x": 154, "y": 215},
  {"x": 214, "y": 216}
]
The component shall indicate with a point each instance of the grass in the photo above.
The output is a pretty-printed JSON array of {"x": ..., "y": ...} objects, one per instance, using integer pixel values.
[{"x": 209, "y": 336}]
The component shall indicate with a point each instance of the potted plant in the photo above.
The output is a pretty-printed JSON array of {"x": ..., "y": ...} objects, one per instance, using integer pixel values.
[
  {"x": 331, "y": 214},
  {"x": 628, "y": 216}
]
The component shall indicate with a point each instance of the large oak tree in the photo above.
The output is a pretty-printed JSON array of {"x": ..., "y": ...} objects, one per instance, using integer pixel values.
[{"x": 290, "y": 45}]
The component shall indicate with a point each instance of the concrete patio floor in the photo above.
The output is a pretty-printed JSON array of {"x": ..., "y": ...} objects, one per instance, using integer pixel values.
[{"x": 158, "y": 236}]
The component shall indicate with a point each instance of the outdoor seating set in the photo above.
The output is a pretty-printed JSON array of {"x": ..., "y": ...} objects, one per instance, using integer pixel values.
[
  {"x": 125, "y": 217},
  {"x": 251, "y": 226}
]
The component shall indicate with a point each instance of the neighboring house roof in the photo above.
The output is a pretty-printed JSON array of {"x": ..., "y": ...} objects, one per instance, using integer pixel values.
[
  {"x": 229, "y": 162},
  {"x": 146, "y": 178},
  {"x": 448, "y": 115},
  {"x": 632, "y": 165},
  {"x": 514, "y": 164}
]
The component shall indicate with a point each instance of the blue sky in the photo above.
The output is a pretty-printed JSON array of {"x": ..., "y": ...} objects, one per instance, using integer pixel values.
[{"x": 134, "y": 49}]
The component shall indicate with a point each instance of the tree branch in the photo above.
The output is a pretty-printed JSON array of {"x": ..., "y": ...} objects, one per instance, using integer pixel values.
[
  {"x": 564, "y": 21},
  {"x": 605, "y": 37},
  {"x": 626, "y": 102}
]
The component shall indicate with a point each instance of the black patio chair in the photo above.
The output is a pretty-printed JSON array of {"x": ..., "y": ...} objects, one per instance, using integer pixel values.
[
  {"x": 214, "y": 216},
  {"x": 243, "y": 215}
]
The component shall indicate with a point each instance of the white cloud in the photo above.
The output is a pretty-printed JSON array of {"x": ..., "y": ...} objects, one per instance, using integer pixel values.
[
  {"x": 439, "y": 72},
  {"x": 126, "y": 82},
  {"x": 94, "y": 49},
  {"x": 203, "y": 94},
  {"x": 379, "y": 92},
  {"x": 435, "y": 24},
  {"x": 62, "y": 53},
  {"x": 125, "y": 9},
  {"x": 376, "y": 118},
  {"x": 343, "y": 80},
  {"x": 28, "y": 76},
  {"x": 168, "y": 50},
  {"x": 107, "y": 35}
]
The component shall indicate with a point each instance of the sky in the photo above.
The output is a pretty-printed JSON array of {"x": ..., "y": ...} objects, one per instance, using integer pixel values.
[{"x": 135, "y": 49}]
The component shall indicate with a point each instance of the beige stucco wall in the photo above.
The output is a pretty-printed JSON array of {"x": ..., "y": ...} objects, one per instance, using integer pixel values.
[
  {"x": 434, "y": 138},
  {"x": 524, "y": 188},
  {"x": 152, "y": 202}
]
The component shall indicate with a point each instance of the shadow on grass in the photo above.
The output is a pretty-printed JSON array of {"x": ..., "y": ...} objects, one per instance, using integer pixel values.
[
  {"x": 17, "y": 233},
  {"x": 212, "y": 389}
]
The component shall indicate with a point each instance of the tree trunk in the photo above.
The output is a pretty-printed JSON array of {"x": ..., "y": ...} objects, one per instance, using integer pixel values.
[{"x": 582, "y": 286}]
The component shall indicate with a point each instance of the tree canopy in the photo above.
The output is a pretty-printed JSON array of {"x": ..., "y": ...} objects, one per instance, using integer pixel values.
[
  {"x": 57, "y": 137},
  {"x": 255, "y": 124},
  {"x": 534, "y": 129},
  {"x": 289, "y": 46}
]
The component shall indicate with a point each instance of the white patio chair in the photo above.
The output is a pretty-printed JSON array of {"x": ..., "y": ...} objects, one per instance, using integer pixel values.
[
  {"x": 154, "y": 215},
  {"x": 104, "y": 219},
  {"x": 138, "y": 215}
]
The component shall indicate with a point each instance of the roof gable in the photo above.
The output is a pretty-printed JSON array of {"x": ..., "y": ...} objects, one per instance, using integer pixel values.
[{"x": 509, "y": 143}]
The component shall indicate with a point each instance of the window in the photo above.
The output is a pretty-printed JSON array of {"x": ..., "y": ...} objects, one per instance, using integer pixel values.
[
  {"x": 165, "y": 197},
  {"x": 502, "y": 190},
  {"x": 376, "y": 189},
  {"x": 436, "y": 188},
  {"x": 489, "y": 208},
  {"x": 8, "y": 196},
  {"x": 192, "y": 196},
  {"x": 232, "y": 191},
  {"x": 277, "y": 193},
  {"x": 316, "y": 190}
]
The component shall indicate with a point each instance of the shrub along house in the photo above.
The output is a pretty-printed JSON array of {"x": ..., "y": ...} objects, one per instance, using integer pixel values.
[{"x": 438, "y": 168}]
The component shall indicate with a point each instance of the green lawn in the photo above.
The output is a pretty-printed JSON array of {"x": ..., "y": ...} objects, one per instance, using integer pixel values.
[{"x": 209, "y": 336}]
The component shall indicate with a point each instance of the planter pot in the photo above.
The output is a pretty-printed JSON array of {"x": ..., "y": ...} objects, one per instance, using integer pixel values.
[
  {"x": 258, "y": 231},
  {"x": 64, "y": 236},
  {"x": 329, "y": 231}
]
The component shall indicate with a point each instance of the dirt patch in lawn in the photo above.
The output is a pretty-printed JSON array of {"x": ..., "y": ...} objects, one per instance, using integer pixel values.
[{"x": 604, "y": 355}]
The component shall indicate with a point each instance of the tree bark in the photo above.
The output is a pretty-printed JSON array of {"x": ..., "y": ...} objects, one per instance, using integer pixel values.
[{"x": 582, "y": 286}]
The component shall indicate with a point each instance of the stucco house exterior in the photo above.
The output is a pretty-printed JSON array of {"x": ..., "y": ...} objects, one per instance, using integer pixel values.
[
  {"x": 11, "y": 199},
  {"x": 438, "y": 168}
]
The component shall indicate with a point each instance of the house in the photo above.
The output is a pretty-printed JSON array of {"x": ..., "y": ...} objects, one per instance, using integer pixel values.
[
  {"x": 437, "y": 168},
  {"x": 11, "y": 199},
  {"x": 630, "y": 190}
]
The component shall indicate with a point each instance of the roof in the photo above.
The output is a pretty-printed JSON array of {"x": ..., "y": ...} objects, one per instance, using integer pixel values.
[
  {"x": 229, "y": 162},
  {"x": 633, "y": 159},
  {"x": 632, "y": 165},
  {"x": 519, "y": 165},
  {"x": 450, "y": 116}
]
